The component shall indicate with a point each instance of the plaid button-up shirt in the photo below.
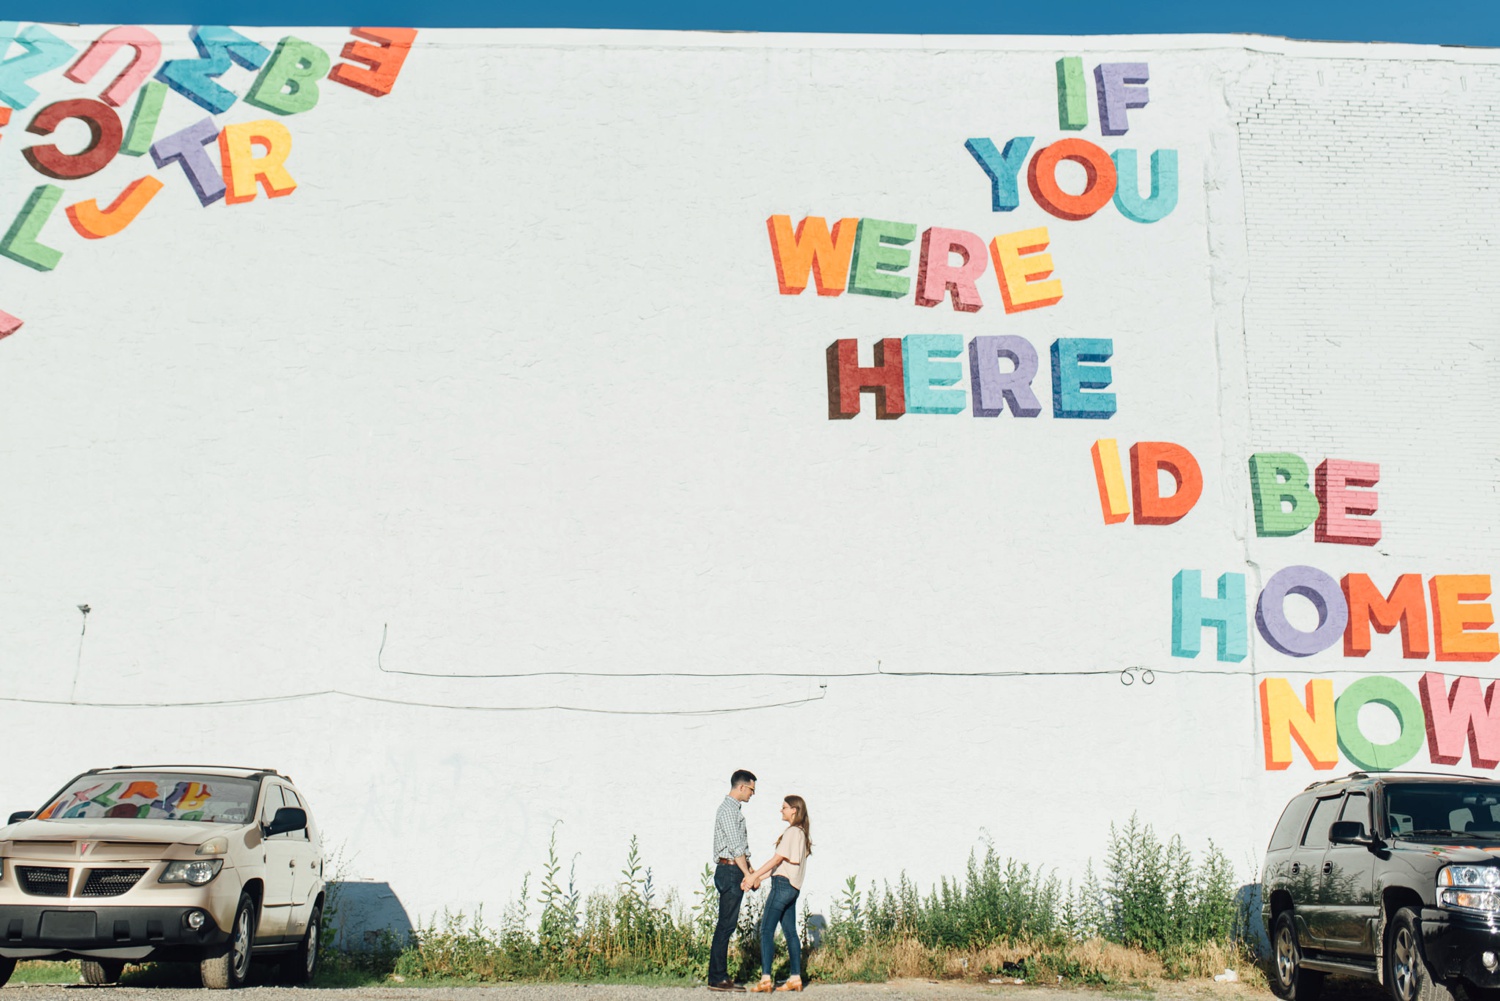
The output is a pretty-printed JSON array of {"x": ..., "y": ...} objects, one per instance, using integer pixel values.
[{"x": 730, "y": 837}]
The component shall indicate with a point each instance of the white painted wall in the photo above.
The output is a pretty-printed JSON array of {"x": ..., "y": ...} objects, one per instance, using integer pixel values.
[{"x": 508, "y": 382}]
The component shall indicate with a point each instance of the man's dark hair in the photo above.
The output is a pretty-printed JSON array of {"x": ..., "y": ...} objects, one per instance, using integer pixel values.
[{"x": 740, "y": 777}]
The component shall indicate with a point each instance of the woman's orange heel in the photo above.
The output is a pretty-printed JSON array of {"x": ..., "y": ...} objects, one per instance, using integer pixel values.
[{"x": 792, "y": 984}]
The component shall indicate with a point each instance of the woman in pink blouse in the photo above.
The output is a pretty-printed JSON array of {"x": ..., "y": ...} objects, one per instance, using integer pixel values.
[{"x": 786, "y": 867}]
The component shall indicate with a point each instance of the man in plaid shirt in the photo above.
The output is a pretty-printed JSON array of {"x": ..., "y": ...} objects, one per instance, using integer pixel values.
[{"x": 732, "y": 865}]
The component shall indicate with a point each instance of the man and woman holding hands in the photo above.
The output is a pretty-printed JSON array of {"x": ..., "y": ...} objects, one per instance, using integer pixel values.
[{"x": 733, "y": 876}]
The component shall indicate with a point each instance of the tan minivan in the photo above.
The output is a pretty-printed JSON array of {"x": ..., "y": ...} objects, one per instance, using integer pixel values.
[{"x": 197, "y": 863}]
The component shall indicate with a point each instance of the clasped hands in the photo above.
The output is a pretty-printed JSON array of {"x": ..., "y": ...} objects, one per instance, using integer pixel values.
[{"x": 750, "y": 883}]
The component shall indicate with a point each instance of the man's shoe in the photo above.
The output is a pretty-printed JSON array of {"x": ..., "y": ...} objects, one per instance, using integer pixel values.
[{"x": 725, "y": 985}]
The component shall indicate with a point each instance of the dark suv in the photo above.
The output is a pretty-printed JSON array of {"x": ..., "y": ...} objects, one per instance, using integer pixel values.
[{"x": 1393, "y": 877}]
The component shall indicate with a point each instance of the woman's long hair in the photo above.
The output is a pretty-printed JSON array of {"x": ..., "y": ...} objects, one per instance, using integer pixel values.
[{"x": 799, "y": 819}]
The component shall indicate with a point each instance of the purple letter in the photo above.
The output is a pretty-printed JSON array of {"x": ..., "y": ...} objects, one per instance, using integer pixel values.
[
  {"x": 186, "y": 147},
  {"x": 1116, "y": 86},
  {"x": 1317, "y": 587},
  {"x": 993, "y": 389}
]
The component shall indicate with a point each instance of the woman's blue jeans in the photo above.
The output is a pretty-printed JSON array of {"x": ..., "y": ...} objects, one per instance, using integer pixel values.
[{"x": 781, "y": 908}]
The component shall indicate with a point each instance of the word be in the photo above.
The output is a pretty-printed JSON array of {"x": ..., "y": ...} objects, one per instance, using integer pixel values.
[
  {"x": 867, "y": 256},
  {"x": 1339, "y": 504},
  {"x": 1449, "y": 717},
  {"x": 913, "y": 374},
  {"x": 1347, "y": 609}
]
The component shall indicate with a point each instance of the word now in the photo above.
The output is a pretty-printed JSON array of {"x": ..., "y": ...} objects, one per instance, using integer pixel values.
[
  {"x": 1449, "y": 717},
  {"x": 1461, "y": 614},
  {"x": 914, "y": 374},
  {"x": 867, "y": 256}
]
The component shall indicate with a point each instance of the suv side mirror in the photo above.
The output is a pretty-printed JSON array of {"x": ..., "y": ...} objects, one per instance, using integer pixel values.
[
  {"x": 288, "y": 818},
  {"x": 19, "y": 816},
  {"x": 1348, "y": 832}
]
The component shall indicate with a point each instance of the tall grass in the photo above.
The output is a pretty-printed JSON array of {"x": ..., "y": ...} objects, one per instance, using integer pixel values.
[{"x": 1155, "y": 911}]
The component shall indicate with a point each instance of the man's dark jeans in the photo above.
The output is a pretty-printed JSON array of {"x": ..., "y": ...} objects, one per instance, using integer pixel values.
[{"x": 727, "y": 880}]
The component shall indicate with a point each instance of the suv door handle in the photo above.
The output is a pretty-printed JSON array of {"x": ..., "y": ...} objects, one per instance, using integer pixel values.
[
  {"x": 1296, "y": 868},
  {"x": 292, "y": 864},
  {"x": 1328, "y": 868}
]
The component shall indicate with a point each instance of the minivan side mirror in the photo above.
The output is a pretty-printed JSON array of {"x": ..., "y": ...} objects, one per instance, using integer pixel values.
[
  {"x": 19, "y": 816},
  {"x": 288, "y": 818},
  {"x": 1348, "y": 832}
]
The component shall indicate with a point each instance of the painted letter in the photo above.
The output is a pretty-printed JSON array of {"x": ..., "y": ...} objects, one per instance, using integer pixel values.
[
  {"x": 105, "y": 133},
  {"x": 1466, "y": 712},
  {"x": 186, "y": 148},
  {"x": 1072, "y": 98},
  {"x": 383, "y": 59},
  {"x": 1318, "y": 588},
  {"x": 94, "y": 224},
  {"x": 1191, "y": 611},
  {"x": 289, "y": 83},
  {"x": 811, "y": 248},
  {"x": 196, "y": 79},
  {"x": 1461, "y": 618},
  {"x": 1003, "y": 167},
  {"x": 1076, "y": 367},
  {"x": 143, "y": 120},
  {"x": 1406, "y": 606},
  {"x": 874, "y": 264},
  {"x": 136, "y": 72},
  {"x": 846, "y": 380},
  {"x": 1396, "y": 697},
  {"x": 1109, "y": 476},
  {"x": 1163, "y": 186},
  {"x": 242, "y": 168},
  {"x": 1337, "y": 483},
  {"x": 937, "y": 276},
  {"x": 926, "y": 377},
  {"x": 1284, "y": 718},
  {"x": 1146, "y": 459},
  {"x": 1098, "y": 188},
  {"x": 1020, "y": 267},
  {"x": 44, "y": 52},
  {"x": 20, "y": 241},
  {"x": 993, "y": 389},
  {"x": 1278, "y": 478},
  {"x": 1116, "y": 85}
]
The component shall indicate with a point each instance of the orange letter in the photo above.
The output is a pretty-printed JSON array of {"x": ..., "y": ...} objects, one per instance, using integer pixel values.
[
  {"x": 92, "y": 223},
  {"x": 1406, "y": 607},
  {"x": 1461, "y": 618},
  {"x": 1283, "y": 718},
  {"x": 1020, "y": 280},
  {"x": 384, "y": 60},
  {"x": 242, "y": 168},
  {"x": 1146, "y": 458},
  {"x": 811, "y": 248}
]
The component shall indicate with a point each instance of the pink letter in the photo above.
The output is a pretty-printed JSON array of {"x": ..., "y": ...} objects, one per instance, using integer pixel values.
[
  {"x": 1465, "y": 712},
  {"x": 938, "y": 275},
  {"x": 1337, "y": 482},
  {"x": 136, "y": 72}
]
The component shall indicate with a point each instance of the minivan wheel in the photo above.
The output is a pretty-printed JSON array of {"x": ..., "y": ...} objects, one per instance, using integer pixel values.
[
  {"x": 1288, "y": 979},
  {"x": 301, "y": 966},
  {"x": 102, "y": 971},
  {"x": 1406, "y": 969},
  {"x": 227, "y": 965}
]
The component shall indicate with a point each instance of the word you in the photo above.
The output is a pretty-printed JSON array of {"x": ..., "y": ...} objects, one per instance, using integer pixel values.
[
  {"x": 1448, "y": 718},
  {"x": 1108, "y": 177}
]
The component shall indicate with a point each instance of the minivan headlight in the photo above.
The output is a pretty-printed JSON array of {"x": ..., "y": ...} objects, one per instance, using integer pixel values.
[
  {"x": 195, "y": 873},
  {"x": 1470, "y": 888}
]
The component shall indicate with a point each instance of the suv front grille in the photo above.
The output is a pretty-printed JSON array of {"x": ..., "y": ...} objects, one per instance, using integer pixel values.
[
  {"x": 111, "y": 882},
  {"x": 42, "y": 881}
]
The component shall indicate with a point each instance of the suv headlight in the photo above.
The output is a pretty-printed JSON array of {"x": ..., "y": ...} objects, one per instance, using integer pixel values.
[
  {"x": 194, "y": 873},
  {"x": 214, "y": 846},
  {"x": 1470, "y": 888}
]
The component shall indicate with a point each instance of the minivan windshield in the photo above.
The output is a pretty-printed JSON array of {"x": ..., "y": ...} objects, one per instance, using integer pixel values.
[
  {"x": 1445, "y": 810},
  {"x": 155, "y": 796}
]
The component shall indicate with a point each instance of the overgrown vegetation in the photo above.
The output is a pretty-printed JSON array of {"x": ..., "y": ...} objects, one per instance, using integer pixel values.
[{"x": 1156, "y": 911}]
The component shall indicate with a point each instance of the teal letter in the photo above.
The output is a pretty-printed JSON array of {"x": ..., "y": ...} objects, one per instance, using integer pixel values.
[
  {"x": 1191, "y": 611},
  {"x": 1002, "y": 168},
  {"x": 924, "y": 376},
  {"x": 1071, "y": 376},
  {"x": 1163, "y": 186}
]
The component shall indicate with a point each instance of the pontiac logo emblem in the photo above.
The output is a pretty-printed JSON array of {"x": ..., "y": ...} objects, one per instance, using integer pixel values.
[{"x": 84, "y": 846}]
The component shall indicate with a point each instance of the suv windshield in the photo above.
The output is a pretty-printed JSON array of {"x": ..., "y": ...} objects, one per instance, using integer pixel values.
[
  {"x": 1443, "y": 810},
  {"x": 155, "y": 796}
]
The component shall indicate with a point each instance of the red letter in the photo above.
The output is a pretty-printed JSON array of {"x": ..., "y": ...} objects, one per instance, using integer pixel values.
[
  {"x": 1041, "y": 177},
  {"x": 384, "y": 60},
  {"x": 1406, "y": 606},
  {"x": 846, "y": 380},
  {"x": 105, "y": 135}
]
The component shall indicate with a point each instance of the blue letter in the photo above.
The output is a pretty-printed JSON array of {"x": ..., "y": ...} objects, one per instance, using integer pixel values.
[{"x": 1191, "y": 611}]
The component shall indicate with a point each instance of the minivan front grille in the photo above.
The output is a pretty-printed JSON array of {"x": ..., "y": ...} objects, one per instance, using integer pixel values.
[
  {"x": 111, "y": 882},
  {"x": 43, "y": 881}
]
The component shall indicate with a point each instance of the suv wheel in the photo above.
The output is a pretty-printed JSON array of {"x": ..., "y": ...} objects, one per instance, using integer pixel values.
[
  {"x": 7, "y": 967},
  {"x": 1288, "y": 979},
  {"x": 102, "y": 971},
  {"x": 1406, "y": 969},
  {"x": 301, "y": 966},
  {"x": 228, "y": 965}
]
